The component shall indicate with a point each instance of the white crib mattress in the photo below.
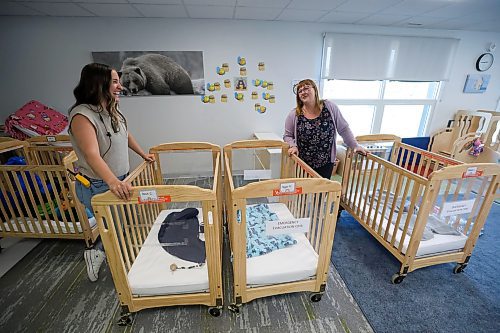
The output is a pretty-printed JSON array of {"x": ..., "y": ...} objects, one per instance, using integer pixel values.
[
  {"x": 60, "y": 229},
  {"x": 293, "y": 263},
  {"x": 150, "y": 273},
  {"x": 436, "y": 245}
]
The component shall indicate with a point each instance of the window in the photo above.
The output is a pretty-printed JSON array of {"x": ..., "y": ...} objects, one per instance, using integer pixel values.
[{"x": 391, "y": 107}]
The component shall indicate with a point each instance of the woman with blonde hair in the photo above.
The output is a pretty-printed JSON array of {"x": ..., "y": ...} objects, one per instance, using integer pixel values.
[{"x": 311, "y": 129}]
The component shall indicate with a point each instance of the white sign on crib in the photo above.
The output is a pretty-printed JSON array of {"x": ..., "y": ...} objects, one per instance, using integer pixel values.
[
  {"x": 457, "y": 207},
  {"x": 287, "y": 226}
]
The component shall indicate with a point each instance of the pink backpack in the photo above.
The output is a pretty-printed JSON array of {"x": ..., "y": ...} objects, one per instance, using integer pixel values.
[{"x": 33, "y": 119}]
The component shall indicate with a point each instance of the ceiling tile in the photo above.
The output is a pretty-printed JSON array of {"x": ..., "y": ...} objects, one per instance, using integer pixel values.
[
  {"x": 315, "y": 4},
  {"x": 412, "y": 7},
  {"x": 342, "y": 17},
  {"x": 453, "y": 10},
  {"x": 363, "y": 6},
  {"x": 256, "y": 13},
  {"x": 419, "y": 22},
  {"x": 212, "y": 12},
  {"x": 23, "y": 1},
  {"x": 59, "y": 9},
  {"x": 96, "y": 1},
  {"x": 154, "y": 2},
  {"x": 383, "y": 20},
  {"x": 11, "y": 8},
  {"x": 301, "y": 15},
  {"x": 263, "y": 3},
  {"x": 171, "y": 11},
  {"x": 211, "y": 2},
  {"x": 111, "y": 10}
]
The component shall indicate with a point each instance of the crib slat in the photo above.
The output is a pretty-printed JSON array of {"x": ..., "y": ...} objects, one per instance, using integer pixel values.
[
  {"x": 415, "y": 195},
  {"x": 480, "y": 195},
  {"x": 386, "y": 187},
  {"x": 364, "y": 215},
  {"x": 401, "y": 210},
  {"x": 25, "y": 202},
  {"x": 371, "y": 223},
  {"x": 394, "y": 204}
]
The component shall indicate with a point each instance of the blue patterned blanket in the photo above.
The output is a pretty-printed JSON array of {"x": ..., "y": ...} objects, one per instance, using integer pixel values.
[{"x": 258, "y": 243}]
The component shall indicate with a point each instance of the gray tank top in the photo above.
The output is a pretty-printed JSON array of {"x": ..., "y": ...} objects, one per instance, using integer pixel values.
[{"x": 117, "y": 156}]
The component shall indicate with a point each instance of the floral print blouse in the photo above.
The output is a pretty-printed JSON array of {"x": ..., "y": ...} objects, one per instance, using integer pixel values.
[{"x": 315, "y": 139}]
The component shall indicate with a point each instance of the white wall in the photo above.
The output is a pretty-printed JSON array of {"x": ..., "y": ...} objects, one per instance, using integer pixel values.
[{"x": 42, "y": 57}]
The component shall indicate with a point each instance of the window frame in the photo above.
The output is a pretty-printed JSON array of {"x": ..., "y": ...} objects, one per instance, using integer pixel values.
[{"x": 380, "y": 103}]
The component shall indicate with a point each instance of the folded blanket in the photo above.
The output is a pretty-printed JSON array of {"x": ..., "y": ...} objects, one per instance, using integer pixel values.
[
  {"x": 390, "y": 198},
  {"x": 258, "y": 243},
  {"x": 434, "y": 224}
]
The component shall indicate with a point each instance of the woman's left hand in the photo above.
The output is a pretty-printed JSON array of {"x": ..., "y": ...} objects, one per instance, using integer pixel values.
[
  {"x": 361, "y": 150},
  {"x": 149, "y": 157}
]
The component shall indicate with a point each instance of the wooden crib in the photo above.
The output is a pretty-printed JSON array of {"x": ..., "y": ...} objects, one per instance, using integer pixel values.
[
  {"x": 301, "y": 200},
  {"x": 146, "y": 276},
  {"x": 38, "y": 199},
  {"x": 424, "y": 208}
]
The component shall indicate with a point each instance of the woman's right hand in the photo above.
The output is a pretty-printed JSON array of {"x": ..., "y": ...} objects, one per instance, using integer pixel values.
[
  {"x": 293, "y": 150},
  {"x": 121, "y": 189}
]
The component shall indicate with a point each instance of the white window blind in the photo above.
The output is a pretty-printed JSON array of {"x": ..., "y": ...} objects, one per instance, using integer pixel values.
[{"x": 383, "y": 57}]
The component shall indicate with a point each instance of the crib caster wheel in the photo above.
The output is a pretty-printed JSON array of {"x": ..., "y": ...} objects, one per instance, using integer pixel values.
[
  {"x": 234, "y": 308},
  {"x": 315, "y": 297},
  {"x": 214, "y": 312},
  {"x": 397, "y": 279},
  {"x": 459, "y": 268},
  {"x": 125, "y": 320}
]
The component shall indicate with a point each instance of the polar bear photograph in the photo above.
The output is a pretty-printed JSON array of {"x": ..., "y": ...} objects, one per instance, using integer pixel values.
[{"x": 157, "y": 73}]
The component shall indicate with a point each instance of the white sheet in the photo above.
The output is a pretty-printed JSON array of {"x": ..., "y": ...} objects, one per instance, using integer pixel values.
[
  {"x": 150, "y": 273},
  {"x": 59, "y": 229},
  {"x": 294, "y": 263},
  {"x": 32, "y": 133},
  {"x": 435, "y": 245}
]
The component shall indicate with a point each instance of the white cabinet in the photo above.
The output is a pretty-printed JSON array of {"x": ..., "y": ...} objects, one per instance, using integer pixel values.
[{"x": 269, "y": 158}]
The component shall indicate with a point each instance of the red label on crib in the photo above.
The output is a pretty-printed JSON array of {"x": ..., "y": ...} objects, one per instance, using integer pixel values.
[
  {"x": 472, "y": 172},
  {"x": 159, "y": 199},
  {"x": 278, "y": 192}
]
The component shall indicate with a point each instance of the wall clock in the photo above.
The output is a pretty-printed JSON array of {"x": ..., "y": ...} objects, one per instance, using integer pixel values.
[{"x": 484, "y": 62}]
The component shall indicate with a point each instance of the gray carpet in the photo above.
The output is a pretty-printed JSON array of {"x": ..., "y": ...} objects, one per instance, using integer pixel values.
[
  {"x": 431, "y": 299},
  {"x": 48, "y": 291}
]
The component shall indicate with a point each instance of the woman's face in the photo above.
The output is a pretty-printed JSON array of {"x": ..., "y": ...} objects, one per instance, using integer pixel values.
[
  {"x": 306, "y": 93},
  {"x": 115, "y": 88}
]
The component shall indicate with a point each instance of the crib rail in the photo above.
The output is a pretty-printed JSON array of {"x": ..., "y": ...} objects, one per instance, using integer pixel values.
[
  {"x": 128, "y": 222},
  {"x": 400, "y": 201},
  {"x": 375, "y": 189},
  {"x": 310, "y": 197},
  {"x": 48, "y": 150},
  {"x": 420, "y": 161},
  {"x": 125, "y": 225},
  {"x": 37, "y": 202}
]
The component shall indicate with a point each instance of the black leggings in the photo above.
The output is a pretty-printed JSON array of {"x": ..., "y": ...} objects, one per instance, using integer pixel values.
[{"x": 325, "y": 171}]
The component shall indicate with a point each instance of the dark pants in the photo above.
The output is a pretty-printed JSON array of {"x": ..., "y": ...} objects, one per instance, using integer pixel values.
[{"x": 325, "y": 171}]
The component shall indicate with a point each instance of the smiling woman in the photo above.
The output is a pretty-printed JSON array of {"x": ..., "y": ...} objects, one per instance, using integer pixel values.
[
  {"x": 100, "y": 138},
  {"x": 311, "y": 129}
]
